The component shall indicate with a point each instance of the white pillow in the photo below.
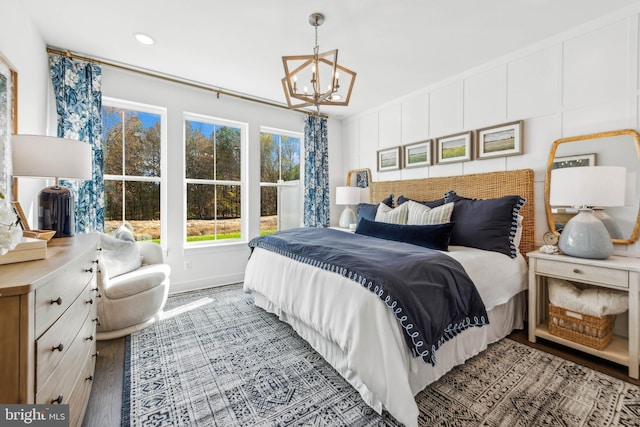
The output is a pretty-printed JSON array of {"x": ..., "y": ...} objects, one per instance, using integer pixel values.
[
  {"x": 518, "y": 236},
  {"x": 420, "y": 214},
  {"x": 119, "y": 256},
  {"x": 391, "y": 215},
  {"x": 593, "y": 301}
]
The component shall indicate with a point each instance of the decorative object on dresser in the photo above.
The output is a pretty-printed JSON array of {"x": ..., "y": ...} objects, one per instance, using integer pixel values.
[
  {"x": 46, "y": 157},
  {"x": 347, "y": 197},
  {"x": 26, "y": 229},
  {"x": 616, "y": 273},
  {"x": 48, "y": 318},
  {"x": 320, "y": 70},
  {"x": 585, "y": 236},
  {"x": 133, "y": 280}
]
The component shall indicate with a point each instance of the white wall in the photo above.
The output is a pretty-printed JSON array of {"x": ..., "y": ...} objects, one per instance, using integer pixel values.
[
  {"x": 221, "y": 264},
  {"x": 583, "y": 81}
]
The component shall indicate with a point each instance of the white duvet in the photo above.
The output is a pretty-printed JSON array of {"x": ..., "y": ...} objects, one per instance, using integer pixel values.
[{"x": 360, "y": 337}]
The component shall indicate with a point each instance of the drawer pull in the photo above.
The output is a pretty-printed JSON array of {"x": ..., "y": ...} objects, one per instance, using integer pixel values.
[
  {"x": 89, "y": 301},
  {"x": 57, "y": 301},
  {"x": 96, "y": 354},
  {"x": 59, "y": 347},
  {"x": 90, "y": 338},
  {"x": 57, "y": 400},
  {"x": 97, "y": 320},
  {"x": 88, "y": 270},
  {"x": 95, "y": 261},
  {"x": 578, "y": 271},
  {"x": 89, "y": 378}
]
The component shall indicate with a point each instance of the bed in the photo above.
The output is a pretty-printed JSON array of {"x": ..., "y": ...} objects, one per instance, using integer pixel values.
[{"x": 360, "y": 336}]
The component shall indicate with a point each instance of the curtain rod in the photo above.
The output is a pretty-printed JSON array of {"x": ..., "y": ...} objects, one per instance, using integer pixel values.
[{"x": 178, "y": 80}]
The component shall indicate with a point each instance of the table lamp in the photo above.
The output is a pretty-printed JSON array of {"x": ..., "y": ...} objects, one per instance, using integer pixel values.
[
  {"x": 347, "y": 196},
  {"x": 53, "y": 157},
  {"x": 585, "y": 236}
]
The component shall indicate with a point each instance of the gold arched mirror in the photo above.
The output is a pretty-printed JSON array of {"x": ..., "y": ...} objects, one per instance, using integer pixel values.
[{"x": 616, "y": 148}]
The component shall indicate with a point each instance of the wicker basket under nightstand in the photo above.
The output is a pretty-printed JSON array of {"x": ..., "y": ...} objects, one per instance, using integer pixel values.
[{"x": 592, "y": 331}]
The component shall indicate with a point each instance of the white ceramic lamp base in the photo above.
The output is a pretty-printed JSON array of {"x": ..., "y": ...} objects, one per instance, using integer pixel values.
[
  {"x": 585, "y": 236},
  {"x": 347, "y": 218}
]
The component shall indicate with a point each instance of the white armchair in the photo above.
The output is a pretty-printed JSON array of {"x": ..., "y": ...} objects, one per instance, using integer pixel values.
[{"x": 133, "y": 300}]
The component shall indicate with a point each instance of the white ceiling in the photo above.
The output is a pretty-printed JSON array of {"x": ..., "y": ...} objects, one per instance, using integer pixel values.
[{"x": 396, "y": 47}]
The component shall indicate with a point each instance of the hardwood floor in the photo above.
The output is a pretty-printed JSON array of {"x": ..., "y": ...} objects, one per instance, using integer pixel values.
[
  {"x": 106, "y": 395},
  {"x": 105, "y": 401}
]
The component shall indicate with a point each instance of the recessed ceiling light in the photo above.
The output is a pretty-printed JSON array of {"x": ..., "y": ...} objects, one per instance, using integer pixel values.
[{"x": 144, "y": 39}]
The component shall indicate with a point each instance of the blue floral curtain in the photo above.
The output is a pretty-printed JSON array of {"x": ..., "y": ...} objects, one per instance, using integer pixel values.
[
  {"x": 316, "y": 172},
  {"x": 77, "y": 86}
]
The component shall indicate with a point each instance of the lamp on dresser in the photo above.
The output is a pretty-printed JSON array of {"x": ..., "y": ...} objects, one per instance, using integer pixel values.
[
  {"x": 53, "y": 157},
  {"x": 585, "y": 236}
]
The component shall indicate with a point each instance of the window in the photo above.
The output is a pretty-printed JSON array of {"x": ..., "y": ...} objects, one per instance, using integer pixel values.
[
  {"x": 280, "y": 180},
  {"x": 214, "y": 173},
  {"x": 133, "y": 140}
]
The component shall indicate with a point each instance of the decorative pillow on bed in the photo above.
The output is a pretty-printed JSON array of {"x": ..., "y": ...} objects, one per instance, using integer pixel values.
[
  {"x": 423, "y": 215},
  {"x": 429, "y": 203},
  {"x": 391, "y": 215},
  {"x": 120, "y": 253},
  {"x": 489, "y": 224},
  {"x": 429, "y": 236},
  {"x": 367, "y": 210},
  {"x": 518, "y": 236}
]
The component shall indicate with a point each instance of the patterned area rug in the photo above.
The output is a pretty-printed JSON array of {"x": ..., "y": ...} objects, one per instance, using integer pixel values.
[{"x": 217, "y": 360}]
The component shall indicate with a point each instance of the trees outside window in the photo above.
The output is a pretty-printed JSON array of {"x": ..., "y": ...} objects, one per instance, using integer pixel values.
[
  {"x": 280, "y": 180},
  {"x": 213, "y": 174},
  {"x": 132, "y": 146}
]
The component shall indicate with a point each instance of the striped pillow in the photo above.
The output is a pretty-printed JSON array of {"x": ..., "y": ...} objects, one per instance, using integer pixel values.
[
  {"x": 391, "y": 215},
  {"x": 420, "y": 214}
]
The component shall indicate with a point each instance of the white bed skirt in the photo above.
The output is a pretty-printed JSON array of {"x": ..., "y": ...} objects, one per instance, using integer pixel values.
[{"x": 359, "y": 336}]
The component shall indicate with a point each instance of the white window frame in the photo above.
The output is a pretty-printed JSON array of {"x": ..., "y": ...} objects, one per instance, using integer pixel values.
[
  {"x": 300, "y": 136},
  {"x": 162, "y": 179},
  {"x": 243, "y": 183}
]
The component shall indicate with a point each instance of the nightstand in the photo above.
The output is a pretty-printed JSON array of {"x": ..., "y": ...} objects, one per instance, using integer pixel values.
[{"x": 615, "y": 272}]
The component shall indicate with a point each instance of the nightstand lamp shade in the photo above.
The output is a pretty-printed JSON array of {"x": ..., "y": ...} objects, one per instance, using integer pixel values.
[
  {"x": 53, "y": 157},
  {"x": 347, "y": 196},
  {"x": 585, "y": 236}
]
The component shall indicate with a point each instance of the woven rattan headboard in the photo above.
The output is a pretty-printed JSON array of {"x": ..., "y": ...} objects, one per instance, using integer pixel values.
[{"x": 481, "y": 186}]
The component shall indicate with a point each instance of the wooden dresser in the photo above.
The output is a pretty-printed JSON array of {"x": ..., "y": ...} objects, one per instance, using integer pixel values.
[{"x": 47, "y": 326}]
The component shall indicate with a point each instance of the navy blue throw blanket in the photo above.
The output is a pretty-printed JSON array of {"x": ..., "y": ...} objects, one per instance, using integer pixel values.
[{"x": 429, "y": 292}]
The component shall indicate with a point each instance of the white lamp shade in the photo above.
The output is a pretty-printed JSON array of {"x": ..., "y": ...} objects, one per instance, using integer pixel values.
[
  {"x": 51, "y": 157},
  {"x": 347, "y": 195},
  {"x": 588, "y": 186},
  {"x": 365, "y": 196}
]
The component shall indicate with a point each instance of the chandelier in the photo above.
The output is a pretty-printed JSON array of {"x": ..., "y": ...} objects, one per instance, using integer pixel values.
[{"x": 307, "y": 76}]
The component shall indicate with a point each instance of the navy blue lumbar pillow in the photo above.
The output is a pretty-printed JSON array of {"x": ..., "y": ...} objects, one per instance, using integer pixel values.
[
  {"x": 429, "y": 236},
  {"x": 429, "y": 203},
  {"x": 488, "y": 224},
  {"x": 367, "y": 210}
]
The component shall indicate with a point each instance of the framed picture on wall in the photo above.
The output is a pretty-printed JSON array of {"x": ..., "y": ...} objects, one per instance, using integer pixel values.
[
  {"x": 389, "y": 159},
  {"x": 574, "y": 161},
  {"x": 500, "y": 141},
  {"x": 417, "y": 154},
  {"x": 454, "y": 148},
  {"x": 8, "y": 121}
]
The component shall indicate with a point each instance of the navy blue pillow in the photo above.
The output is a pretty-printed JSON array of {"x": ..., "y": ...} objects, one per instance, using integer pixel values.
[
  {"x": 488, "y": 224},
  {"x": 367, "y": 210},
  {"x": 430, "y": 203},
  {"x": 429, "y": 236}
]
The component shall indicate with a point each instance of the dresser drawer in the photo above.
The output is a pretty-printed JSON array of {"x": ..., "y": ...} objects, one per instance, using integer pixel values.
[
  {"x": 583, "y": 273},
  {"x": 60, "y": 383},
  {"x": 61, "y": 289},
  {"x": 54, "y": 344},
  {"x": 81, "y": 391}
]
